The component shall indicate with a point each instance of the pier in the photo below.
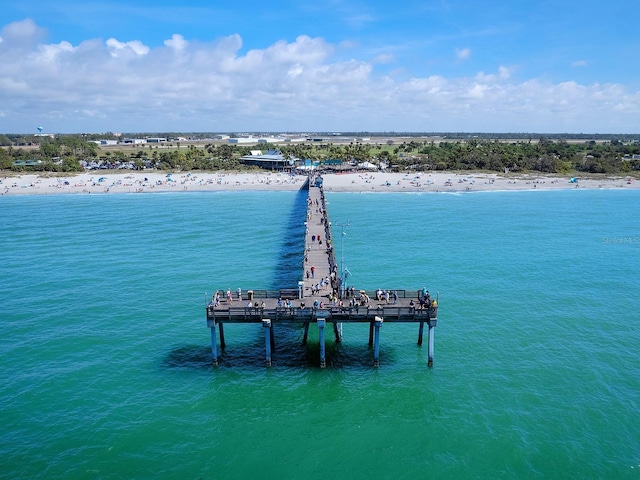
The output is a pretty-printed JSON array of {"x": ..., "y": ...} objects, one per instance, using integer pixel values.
[{"x": 321, "y": 297}]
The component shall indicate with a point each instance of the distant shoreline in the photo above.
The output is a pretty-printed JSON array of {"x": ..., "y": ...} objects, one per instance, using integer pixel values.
[{"x": 100, "y": 182}]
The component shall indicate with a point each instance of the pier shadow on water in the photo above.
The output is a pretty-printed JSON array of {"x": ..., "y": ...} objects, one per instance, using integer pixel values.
[
  {"x": 188, "y": 357},
  {"x": 289, "y": 352},
  {"x": 290, "y": 267}
]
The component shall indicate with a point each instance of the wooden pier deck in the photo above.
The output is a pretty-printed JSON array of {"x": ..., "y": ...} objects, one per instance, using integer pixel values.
[{"x": 319, "y": 297}]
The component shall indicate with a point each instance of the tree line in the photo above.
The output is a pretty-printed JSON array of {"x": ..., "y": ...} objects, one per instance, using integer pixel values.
[{"x": 69, "y": 153}]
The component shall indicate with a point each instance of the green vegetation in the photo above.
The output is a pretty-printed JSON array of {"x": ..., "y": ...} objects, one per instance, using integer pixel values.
[
  {"x": 544, "y": 156},
  {"x": 62, "y": 154},
  {"x": 69, "y": 153}
]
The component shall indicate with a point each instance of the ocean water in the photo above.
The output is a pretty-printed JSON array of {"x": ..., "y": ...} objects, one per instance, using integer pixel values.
[{"x": 105, "y": 355}]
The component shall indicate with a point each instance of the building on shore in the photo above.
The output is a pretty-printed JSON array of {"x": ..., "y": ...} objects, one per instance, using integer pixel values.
[{"x": 272, "y": 160}]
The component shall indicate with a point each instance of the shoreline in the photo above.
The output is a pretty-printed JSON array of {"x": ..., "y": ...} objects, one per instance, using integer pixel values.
[{"x": 101, "y": 182}]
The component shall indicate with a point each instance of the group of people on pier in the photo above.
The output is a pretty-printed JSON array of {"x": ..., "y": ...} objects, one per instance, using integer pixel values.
[
  {"x": 216, "y": 298},
  {"x": 386, "y": 296}
]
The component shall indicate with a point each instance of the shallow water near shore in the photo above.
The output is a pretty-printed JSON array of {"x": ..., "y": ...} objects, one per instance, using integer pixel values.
[{"x": 106, "y": 357}]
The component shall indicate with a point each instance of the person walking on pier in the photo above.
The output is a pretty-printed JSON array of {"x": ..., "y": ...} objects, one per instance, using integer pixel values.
[{"x": 313, "y": 271}]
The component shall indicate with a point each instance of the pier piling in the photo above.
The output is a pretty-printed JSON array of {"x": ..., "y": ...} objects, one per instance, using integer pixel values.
[
  {"x": 214, "y": 344},
  {"x": 223, "y": 344},
  {"x": 321, "y": 325},
  {"x": 266, "y": 323},
  {"x": 337, "y": 331},
  {"x": 371, "y": 334},
  {"x": 431, "y": 341},
  {"x": 376, "y": 341}
]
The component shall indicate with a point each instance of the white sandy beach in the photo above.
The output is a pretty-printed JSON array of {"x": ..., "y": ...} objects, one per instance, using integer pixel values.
[{"x": 139, "y": 182}]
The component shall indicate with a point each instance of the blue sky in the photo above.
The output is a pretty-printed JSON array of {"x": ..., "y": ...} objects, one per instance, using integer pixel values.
[{"x": 340, "y": 65}]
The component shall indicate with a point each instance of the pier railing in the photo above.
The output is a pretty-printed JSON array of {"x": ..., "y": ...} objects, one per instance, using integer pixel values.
[
  {"x": 330, "y": 314},
  {"x": 292, "y": 292}
]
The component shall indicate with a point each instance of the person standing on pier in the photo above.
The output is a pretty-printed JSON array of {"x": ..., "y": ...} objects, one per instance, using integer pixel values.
[{"x": 313, "y": 271}]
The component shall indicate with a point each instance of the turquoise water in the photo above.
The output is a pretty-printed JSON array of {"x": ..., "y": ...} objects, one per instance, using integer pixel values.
[{"x": 105, "y": 353}]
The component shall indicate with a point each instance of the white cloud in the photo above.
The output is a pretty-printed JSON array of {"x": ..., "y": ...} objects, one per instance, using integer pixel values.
[
  {"x": 117, "y": 48},
  {"x": 297, "y": 85},
  {"x": 463, "y": 54},
  {"x": 24, "y": 33},
  {"x": 579, "y": 63},
  {"x": 503, "y": 74},
  {"x": 49, "y": 53},
  {"x": 383, "y": 58},
  {"x": 177, "y": 42}
]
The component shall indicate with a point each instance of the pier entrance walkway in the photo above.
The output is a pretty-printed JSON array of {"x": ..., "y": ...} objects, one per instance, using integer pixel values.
[
  {"x": 320, "y": 269},
  {"x": 320, "y": 298}
]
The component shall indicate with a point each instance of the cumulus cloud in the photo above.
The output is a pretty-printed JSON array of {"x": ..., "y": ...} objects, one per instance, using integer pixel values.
[
  {"x": 503, "y": 74},
  {"x": 49, "y": 53},
  {"x": 177, "y": 42},
  {"x": 117, "y": 48},
  {"x": 23, "y": 33},
  {"x": 125, "y": 85}
]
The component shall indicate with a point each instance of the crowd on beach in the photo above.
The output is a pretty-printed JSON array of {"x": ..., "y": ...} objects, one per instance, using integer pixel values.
[{"x": 139, "y": 182}]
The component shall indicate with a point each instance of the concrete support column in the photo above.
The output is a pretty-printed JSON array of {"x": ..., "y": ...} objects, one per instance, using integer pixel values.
[
  {"x": 305, "y": 335},
  {"x": 223, "y": 344},
  {"x": 431, "y": 341},
  {"x": 321, "y": 324},
  {"x": 420, "y": 333},
  {"x": 376, "y": 341},
  {"x": 266, "y": 323},
  {"x": 214, "y": 344},
  {"x": 337, "y": 331},
  {"x": 272, "y": 337}
]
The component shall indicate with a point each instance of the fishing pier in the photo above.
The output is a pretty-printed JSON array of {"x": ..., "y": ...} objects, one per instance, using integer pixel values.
[{"x": 321, "y": 297}]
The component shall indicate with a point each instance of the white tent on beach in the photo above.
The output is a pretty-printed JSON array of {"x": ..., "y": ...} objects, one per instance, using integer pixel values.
[{"x": 367, "y": 166}]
